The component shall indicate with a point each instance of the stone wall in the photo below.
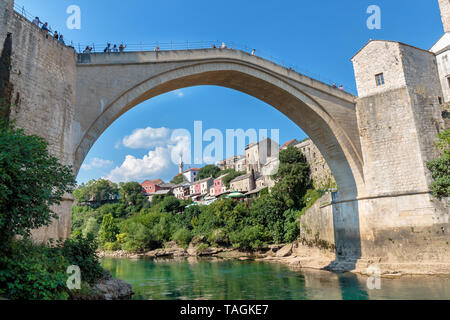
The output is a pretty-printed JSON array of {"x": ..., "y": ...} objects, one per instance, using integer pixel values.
[
  {"x": 445, "y": 14},
  {"x": 445, "y": 111},
  {"x": 320, "y": 172},
  {"x": 399, "y": 120},
  {"x": 43, "y": 76},
  {"x": 316, "y": 225}
]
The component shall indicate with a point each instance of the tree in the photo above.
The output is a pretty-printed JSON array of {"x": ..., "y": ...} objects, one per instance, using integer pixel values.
[
  {"x": 109, "y": 229},
  {"x": 178, "y": 179},
  {"x": 97, "y": 192},
  {"x": 207, "y": 171},
  {"x": 170, "y": 204},
  {"x": 292, "y": 179},
  {"x": 440, "y": 167},
  {"x": 31, "y": 182},
  {"x": 131, "y": 193}
]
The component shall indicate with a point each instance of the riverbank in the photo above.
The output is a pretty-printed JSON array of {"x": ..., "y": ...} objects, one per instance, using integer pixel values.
[{"x": 296, "y": 256}]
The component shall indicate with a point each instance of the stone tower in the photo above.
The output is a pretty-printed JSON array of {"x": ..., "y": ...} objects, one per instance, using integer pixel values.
[
  {"x": 6, "y": 9},
  {"x": 445, "y": 14}
]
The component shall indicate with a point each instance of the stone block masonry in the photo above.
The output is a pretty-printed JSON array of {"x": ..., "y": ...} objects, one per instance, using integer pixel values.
[{"x": 43, "y": 78}]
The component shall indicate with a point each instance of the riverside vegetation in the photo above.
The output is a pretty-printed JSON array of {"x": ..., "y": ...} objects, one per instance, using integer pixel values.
[
  {"x": 31, "y": 182},
  {"x": 134, "y": 225}
]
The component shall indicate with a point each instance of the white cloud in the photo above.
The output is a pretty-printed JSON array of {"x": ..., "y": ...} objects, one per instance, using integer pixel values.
[
  {"x": 134, "y": 169},
  {"x": 179, "y": 93},
  {"x": 147, "y": 138},
  {"x": 96, "y": 163},
  {"x": 158, "y": 161}
]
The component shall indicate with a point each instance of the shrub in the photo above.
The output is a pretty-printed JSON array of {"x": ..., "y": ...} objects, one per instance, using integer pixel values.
[
  {"x": 92, "y": 228},
  {"x": 112, "y": 246},
  {"x": 109, "y": 229},
  {"x": 81, "y": 252},
  {"x": 291, "y": 225},
  {"x": 250, "y": 237},
  {"x": 31, "y": 182},
  {"x": 218, "y": 237},
  {"x": 32, "y": 272},
  {"x": 137, "y": 236},
  {"x": 183, "y": 237},
  {"x": 440, "y": 167}
]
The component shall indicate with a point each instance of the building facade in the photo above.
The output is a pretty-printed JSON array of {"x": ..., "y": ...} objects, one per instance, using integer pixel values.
[
  {"x": 191, "y": 174},
  {"x": 181, "y": 191},
  {"x": 244, "y": 183},
  {"x": 219, "y": 185}
]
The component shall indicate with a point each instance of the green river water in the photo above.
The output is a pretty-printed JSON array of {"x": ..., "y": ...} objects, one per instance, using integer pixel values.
[{"x": 214, "y": 279}]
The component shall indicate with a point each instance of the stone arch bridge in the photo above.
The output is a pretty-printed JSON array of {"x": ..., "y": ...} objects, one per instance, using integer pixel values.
[{"x": 376, "y": 145}]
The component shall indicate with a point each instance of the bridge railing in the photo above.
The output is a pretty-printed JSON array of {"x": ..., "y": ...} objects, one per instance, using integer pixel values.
[
  {"x": 190, "y": 45},
  {"x": 194, "y": 45},
  {"x": 20, "y": 9}
]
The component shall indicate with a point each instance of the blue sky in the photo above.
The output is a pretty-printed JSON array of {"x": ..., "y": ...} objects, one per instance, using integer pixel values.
[{"x": 318, "y": 36}]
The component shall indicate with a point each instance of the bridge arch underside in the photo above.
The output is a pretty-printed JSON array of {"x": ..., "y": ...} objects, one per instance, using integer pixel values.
[{"x": 333, "y": 142}]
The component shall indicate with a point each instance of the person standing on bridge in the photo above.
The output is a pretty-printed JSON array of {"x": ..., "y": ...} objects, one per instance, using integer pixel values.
[
  {"x": 253, "y": 52},
  {"x": 45, "y": 27},
  {"x": 122, "y": 48},
  {"x": 223, "y": 46},
  {"x": 108, "y": 48},
  {"x": 37, "y": 22},
  {"x": 341, "y": 87},
  {"x": 115, "y": 49},
  {"x": 61, "y": 39}
]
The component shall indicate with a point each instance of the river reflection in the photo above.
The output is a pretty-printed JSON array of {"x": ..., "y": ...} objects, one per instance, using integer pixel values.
[{"x": 216, "y": 279}]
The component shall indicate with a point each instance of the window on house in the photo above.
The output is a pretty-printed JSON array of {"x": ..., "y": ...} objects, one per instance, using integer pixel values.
[
  {"x": 379, "y": 79},
  {"x": 440, "y": 100},
  {"x": 448, "y": 81}
]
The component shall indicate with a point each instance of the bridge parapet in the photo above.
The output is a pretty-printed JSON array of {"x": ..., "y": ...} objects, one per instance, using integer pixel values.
[{"x": 170, "y": 56}]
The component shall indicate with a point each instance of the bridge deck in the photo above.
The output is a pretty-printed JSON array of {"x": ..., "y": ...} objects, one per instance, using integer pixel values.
[{"x": 169, "y": 56}]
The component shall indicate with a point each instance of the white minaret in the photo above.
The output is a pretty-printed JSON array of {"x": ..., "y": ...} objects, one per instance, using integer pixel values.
[{"x": 181, "y": 164}]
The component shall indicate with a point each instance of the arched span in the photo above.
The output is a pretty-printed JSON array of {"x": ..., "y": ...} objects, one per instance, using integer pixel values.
[{"x": 110, "y": 85}]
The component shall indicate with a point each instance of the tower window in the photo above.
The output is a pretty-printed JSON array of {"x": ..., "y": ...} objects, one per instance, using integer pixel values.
[
  {"x": 448, "y": 81},
  {"x": 379, "y": 79}
]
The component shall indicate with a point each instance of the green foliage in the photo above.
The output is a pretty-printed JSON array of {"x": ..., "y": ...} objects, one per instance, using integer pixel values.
[
  {"x": 137, "y": 237},
  {"x": 208, "y": 171},
  {"x": 250, "y": 237},
  {"x": 178, "y": 179},
  {"x": 31, "y": 182},
  {"x": 218, "y": 237},
  {"x": 131, "y": 193},
  {"x": 182, "y": 236},
  {"x": 81, "y": 251},
  {"x": 170, "y": 204},
  {"x": 291, "y": 228},
  {"x": 293, "y": 178},
  {"x": 38, "y": 272},
  {"x": 91, "y": 229},
  {"x": 32, "y": 272},
  {"x": 440, "y": 167},
  {"x": 97, "y": 192},
  {"x": 109, "y": 229}
]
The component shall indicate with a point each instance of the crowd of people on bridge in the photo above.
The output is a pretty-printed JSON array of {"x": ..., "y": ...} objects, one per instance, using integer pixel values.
[{"x": 45, "y": 28}]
